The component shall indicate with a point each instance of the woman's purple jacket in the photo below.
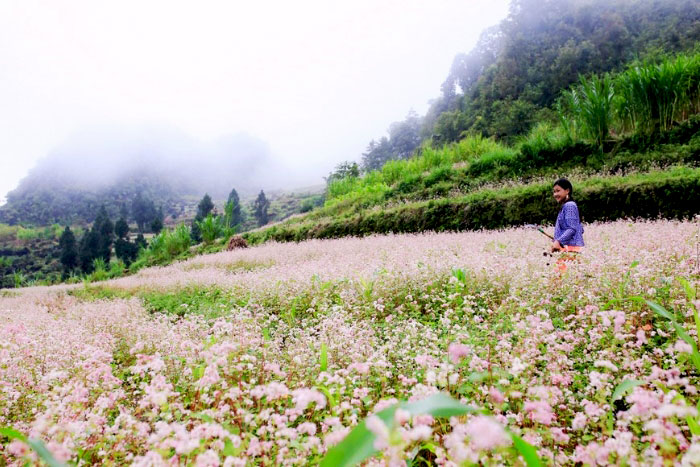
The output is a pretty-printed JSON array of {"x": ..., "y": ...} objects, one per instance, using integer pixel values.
[{"x": 568, "y": 229}]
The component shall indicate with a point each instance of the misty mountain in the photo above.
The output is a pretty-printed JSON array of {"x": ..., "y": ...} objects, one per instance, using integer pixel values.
[{"x": 108, "y": 165}]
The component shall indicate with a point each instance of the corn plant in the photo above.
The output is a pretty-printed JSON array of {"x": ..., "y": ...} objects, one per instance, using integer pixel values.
[{"x": 590, "y": 105}]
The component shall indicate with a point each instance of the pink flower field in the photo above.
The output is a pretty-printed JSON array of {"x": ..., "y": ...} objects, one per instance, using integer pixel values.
[{"x": 272, "y": 355}]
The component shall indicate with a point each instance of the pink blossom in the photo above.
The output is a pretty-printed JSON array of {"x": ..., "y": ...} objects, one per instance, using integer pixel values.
[
  {"x": 558, "y": 435},
  {"x": 496, "y": 396},
  {"x": 579, "y": 421},
  {"x": 485, "y": 433},
  {"x": 307, "y": 428},
  {"x": 305, "y": 396},
  {"x": 539, "y": 411},
  {"x": 642, "y": 401},
  {"x": 457, "y": 352},
  {"x": 208, "y": 458}
]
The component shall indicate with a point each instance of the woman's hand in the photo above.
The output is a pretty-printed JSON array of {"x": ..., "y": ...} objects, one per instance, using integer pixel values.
[{"x": 556, "y": 246}]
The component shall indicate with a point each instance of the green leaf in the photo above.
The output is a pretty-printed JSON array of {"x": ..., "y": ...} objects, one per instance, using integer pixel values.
[
  {"x": 693, "y": 425},
  {"x": 625, "y": 387},
  {"x": 12, "y": 434},
  {"x": 689, "y": 290},
  {"x": 198, "y": 372},
  {"x": 438, "y": 405},
  {"x": 229, "y": 449},
  {"x": 697, "y": 322},
  {"x": 37, "y": 445},
  {"x": 695, "y": 355},
  {"x": 323, "y": 358},
  {"x": 358, "y": 445},
  {"x": 478, "y": 376},
  {"x": 659, "y": 310},
  {"x": 326, "y": 392},
  {"x": 44, "y": 454},
  {"x": 204, "y": 417},
  {"x": 526, "y": 450}
]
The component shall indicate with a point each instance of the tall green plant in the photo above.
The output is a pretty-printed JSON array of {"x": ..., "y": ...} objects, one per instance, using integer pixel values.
[
  {"x": 652, "y": 96},
  {"x": 590, "y": 105},
  {"x": 211, "y": 228}
]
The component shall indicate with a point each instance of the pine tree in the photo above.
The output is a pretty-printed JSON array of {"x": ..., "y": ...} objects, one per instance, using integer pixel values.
[
  {"x": 121, "y": 228},
  {"x": 233, "y": 208},
  {"x": 105, "y": 231},
  {"x": 157, "y": 224},
  {"x": 143, "y": 211},
  {"x": 260, "y": 206},
  {"x": 69, "y": 251},
  {"x": 88, "y": 250},
  {"x": 204, "y": 207}
]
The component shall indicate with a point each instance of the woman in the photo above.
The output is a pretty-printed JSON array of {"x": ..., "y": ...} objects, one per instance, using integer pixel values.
[{"x": 568, "y": 231}]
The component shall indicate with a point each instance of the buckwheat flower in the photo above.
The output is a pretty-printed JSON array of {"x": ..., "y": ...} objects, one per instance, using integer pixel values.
[
  {"x": 418, "y": 433},
  {"x": 691, "y": 456},
  {"x": 361, "y": 368},
  {"x": 605, "y": 364},
  {"x": 380, "y": 431},
  {"x": 558, "y": 435},
  {"x": 425, "y": 360},
  {"x": 598, "y": 380},
  {"x": 641, "y": 338},
  {"x": 539, "y": 411},
  {"x": 290, "y": 433},
  {"x": 18, "y": 448},
  {"x": 231, "y": 461},
  {"x": 672, "y": 410},
  {"x": 456, "y": 449},
  {"x": 682, "y": 347},
  {"x": 402, "y": 416},
  {"x": 210, "y": 377},
  {"x": 307, "y": 428},
  {"x": 383, "y": 404},
  {"x": 208, "y": 458},
  {"x": 497, "y": 396},
  {"x": 335, "y": 436},
  {"x": 485, "y": 433},
  {"x": 457, "y": 352},
  {"x": 579, "y": 421},
  {"x": 304, "y": 396},
  {"x": 423, "y": 419},
  {"x": 642, "y": 401},
  {"x": 150, "y": 459},
  {"x": 517, "y": 367}
]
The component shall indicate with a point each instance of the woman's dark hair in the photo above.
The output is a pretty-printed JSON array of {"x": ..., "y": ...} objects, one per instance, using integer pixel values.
[{"x": 565, "y": 185}]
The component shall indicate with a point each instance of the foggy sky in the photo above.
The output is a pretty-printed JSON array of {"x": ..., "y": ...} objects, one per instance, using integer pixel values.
[{"x": 310, "y": 82}]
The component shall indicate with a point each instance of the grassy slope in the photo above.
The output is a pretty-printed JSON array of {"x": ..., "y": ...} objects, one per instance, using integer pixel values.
[{"x": 477, "y": 172}]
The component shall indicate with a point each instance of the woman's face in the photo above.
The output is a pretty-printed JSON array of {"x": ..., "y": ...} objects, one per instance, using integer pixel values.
[{"x": 560, "y": 194}]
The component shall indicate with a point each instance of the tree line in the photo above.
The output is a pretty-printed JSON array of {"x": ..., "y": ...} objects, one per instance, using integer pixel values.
[{"x": 95, "y": 247}]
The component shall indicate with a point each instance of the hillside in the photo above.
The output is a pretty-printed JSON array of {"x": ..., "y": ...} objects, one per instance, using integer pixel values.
[
  {"x": 112, "y": 166},
  {"x": 512, "y": 79},
  {"x": 278, "y": 353}
]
